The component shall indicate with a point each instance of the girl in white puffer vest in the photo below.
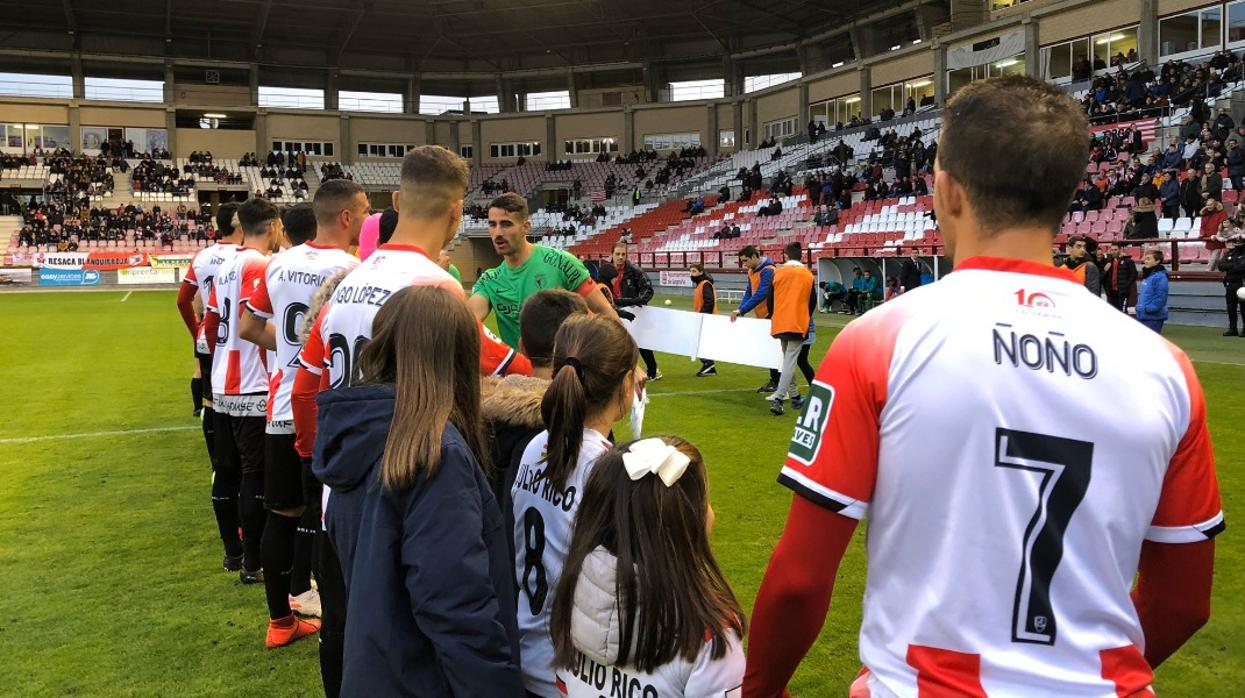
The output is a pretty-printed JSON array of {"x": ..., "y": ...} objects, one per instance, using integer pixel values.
[{"x": 642, "y": 608}]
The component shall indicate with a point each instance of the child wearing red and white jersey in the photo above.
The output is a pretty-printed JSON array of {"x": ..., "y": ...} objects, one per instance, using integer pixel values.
[
  {"x": 321, "y": 232},
  {"x": 1010, "y": 507},
  {"x": 642, "y": 602},
  {"x": 240, "y": 379},
  {"x": 197, "y": 284}
]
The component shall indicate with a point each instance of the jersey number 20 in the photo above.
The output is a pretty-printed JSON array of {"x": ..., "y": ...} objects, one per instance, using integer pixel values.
[{"x": 1063, "y": 466}]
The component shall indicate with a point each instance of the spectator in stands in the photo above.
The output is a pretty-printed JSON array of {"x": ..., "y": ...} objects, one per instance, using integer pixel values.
[
  {"x": 773, "y": 208},
  {"x": 1211, "y": 185},
  {"x": 1119, "y": 277},
  {"x": 1088, "y": 197},
  {"x": 812, "y": 131},
  {"x": 1081, "y": 262},
  {"x": 1169, "y": 194},
  {"x": 1152, "y": 291},
  {"x": 1233, "y": 268},
  {"x": 1213, "y": 217},
  {"x": 1142, "y": 223}
]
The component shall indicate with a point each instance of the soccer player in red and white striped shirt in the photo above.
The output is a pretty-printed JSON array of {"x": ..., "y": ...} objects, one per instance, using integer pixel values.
[
  {"x": 240, "y": 377},
  {"x": 1022, "y": 451},
  {"x": 430, "y": 208},
  {"x": 198, "y": 284},
  {"x": 274, "y": 318}
]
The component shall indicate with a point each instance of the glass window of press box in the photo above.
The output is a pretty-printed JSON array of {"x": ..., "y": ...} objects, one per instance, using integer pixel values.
[
  {"x": 1203, "y": 30},
  {"x": 919, "y": 90},
  {"x": 838, "y": 110},
  {"x": 1077, "y": 59},
  {"x": 956, "y": 79}
]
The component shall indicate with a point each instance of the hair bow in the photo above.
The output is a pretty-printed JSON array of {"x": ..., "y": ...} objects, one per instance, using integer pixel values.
[{"x": 657, "y": 457}]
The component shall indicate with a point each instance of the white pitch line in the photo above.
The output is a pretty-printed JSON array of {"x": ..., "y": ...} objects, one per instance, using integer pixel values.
[
  {"x": 701, "y": 392},
  {"x": 126, "y": 297},
  {"x": 91, "y": 434}
]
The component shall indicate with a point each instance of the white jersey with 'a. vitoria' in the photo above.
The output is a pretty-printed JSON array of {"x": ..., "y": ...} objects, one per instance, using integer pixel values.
[
  {"x": 283, "y": 297},
  {"x": 1013, "y": 440}
]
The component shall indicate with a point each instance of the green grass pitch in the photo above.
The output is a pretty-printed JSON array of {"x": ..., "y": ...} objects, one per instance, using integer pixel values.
[{"x": 110, "y": 577}]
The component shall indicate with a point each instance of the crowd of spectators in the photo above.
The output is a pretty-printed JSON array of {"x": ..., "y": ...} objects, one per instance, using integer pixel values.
[
  {"x": 155, "y": 176},
  {"x": 201, "y": 165},
  {"x": 331, "y": 170},
  {"x": 78, "y": 177},
  {"x": 52, "y": 223},
  {"x": 1141, "y": 91}
]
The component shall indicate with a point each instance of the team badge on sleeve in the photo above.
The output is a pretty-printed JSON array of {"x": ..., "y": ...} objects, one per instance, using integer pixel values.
[{"x": 806, "y": 440}]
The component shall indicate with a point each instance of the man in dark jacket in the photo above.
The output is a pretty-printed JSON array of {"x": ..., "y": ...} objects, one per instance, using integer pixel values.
[
  {"x": 1236, "y": 164},
  {"x": 1191, "y": 196},
  {"x": 1119, "y": 276},
  {"x": 633, "y": 289},
  {"x": 455, "y": 570},
  {"x": 1233, "y": 267},
  {"x": 910, "y": 271}
]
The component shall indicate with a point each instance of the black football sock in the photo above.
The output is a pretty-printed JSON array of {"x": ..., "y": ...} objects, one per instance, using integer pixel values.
[
  {"x": 278, "y": 555},
  {"x": 251, "y": 505},
  {"x": 196, "y": 393},
  {"x": 304, "y": 541}
]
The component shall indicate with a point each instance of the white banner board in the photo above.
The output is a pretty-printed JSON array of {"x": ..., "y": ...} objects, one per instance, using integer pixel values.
[
  {"x": 746, "y": 341},
  {"x": 146, "y": 275}
]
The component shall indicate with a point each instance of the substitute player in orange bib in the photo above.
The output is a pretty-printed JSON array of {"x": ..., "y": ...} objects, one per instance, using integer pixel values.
[{"x": 1010, "y": 506}]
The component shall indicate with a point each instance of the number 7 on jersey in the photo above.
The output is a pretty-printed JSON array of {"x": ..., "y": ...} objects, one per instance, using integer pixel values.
[{"x": 1063, "y": 466}]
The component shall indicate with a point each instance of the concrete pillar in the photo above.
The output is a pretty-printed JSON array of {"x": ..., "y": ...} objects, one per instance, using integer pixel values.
[
  {"x": 75, "y": 128},
  {"x": 854, "y": 37},
  {"x": 754, "y": 123},
  {"x": 170, "y": 90},
  {"x": 411, "y": 104},
  {"x": 477, "y": 144},
  {"x": 866, "y": 93},
  {"x": 330, "y": 89},
  {"x": 170, "y": 127},
  {"x": 78, "y": 78},
  {"x": 346, "y": 147},
  {"x": 711, "y": 129},
  {"x": 455, "y": 141},
  {"x": 551, "y": 151},
  {"x": 737, "y": 123},
  {"x": 802, "y": 95},
  {"x": 652, "y": 82},
  {"x": 940, "y": 75},
  {"x": 1148, "y": 32},
  {"x": 255, "y": 88},
  {"x": 1033, "y": 66},
  {"x": 505, "y": 100},
  {"x": 430, "y": 132},
  {"x": 628, "y": 143},
  {"x": 262, "y": 146},
  {"x": 572, "y": 89},
  {"x": 732, "y": 87}
]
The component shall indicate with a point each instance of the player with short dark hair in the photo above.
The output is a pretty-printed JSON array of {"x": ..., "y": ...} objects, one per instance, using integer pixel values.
[
  {"x": 299, "y": 222},
  {"x": 525, "y": 269},
  {"x": 198, "y": 282},
  {"x": 1005, "y": 526},
  {"x": 274, "y": 316},
  {"x": 240, "y": 379}
]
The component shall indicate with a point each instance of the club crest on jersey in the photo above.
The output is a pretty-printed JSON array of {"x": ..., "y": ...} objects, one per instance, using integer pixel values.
[{"x": 806, "y": 441}]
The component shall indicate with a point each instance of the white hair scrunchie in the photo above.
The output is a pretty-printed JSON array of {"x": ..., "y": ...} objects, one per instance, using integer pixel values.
[{"x": 657, "y": 457}]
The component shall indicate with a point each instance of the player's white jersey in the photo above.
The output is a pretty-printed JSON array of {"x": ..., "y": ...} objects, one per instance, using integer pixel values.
[
  {"x": 1012, "y": 439},
  {"x": 202, "y": 274},
  {"x": 283, "y": 297},
  {"x": 542, "y": 537},
  {"x": 344, "y": 326},
  {"x": 239, "y": 367}
]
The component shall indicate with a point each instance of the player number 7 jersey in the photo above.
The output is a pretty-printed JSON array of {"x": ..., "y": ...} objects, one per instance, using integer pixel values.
[{"x": 1012, "y": 440}]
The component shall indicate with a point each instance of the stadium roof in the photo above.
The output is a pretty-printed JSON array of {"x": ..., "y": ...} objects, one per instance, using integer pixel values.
[{"x": 413, "y": 35}]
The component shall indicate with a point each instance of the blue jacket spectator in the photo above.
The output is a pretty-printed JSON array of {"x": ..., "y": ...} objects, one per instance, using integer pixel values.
[
  {"x": 427, "y": 570},
  {"x": 1152, "y": 292},
  {"x": 765, "y": 271}
]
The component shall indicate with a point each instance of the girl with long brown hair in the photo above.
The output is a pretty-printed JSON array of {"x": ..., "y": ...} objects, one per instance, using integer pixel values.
[
  {"x": 593, "y": 386},
  {"x": 641, "y": 594},
  {"x": 417, "y": 529}
]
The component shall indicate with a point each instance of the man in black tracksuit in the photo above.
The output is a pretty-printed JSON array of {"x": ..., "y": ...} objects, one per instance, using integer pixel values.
[
  {"x": 1118, "y": 277},
  {"x": 1233, "y": 267},
  {"x": 633, "y": 289}
]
